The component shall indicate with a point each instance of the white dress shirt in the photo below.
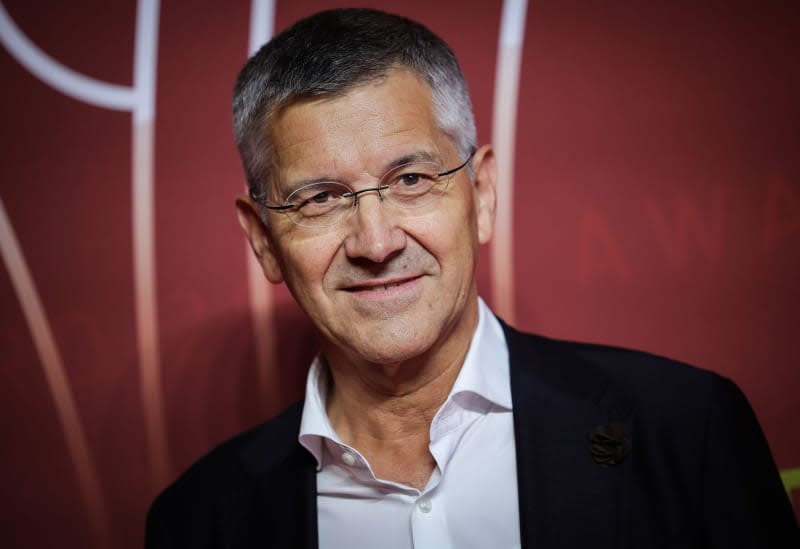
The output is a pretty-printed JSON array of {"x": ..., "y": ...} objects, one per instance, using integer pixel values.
[{"x": 470, "y": 500}]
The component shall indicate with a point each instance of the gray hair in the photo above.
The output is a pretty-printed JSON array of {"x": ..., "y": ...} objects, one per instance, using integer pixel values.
[{"x": 329, "y": 54}]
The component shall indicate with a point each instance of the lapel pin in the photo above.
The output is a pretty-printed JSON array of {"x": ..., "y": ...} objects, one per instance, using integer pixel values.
[{"x": 609, "y": 444}]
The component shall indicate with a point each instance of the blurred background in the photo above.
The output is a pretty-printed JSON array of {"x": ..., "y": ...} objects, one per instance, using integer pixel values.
[{"x": 650, "y": 197}]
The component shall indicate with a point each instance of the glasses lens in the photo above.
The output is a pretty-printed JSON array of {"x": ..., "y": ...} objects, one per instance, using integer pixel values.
[
  {"x": 319, "y": 204},
  {"x": 414, "y": 185}
]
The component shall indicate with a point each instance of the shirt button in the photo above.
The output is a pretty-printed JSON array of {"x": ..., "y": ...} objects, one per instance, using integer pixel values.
[
  {"x": 424, "y": 505},
  {"x": 349, "y": 459}
]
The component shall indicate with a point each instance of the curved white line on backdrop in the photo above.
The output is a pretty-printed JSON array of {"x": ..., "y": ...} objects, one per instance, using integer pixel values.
[
  {"x": 506, "y": 88},
  {"x": 144, "y": 253},
  {"x": 262, "y": 22},
  {"x": 56, "y": 378},
  {"x": 64, "y": 79},
  {"x": 140, "y": 100}
]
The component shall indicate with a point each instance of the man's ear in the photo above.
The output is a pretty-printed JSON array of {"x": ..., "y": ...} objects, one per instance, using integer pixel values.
[
  {"x": 258, "y": 235},
  {"x": 484, "y": 167}
]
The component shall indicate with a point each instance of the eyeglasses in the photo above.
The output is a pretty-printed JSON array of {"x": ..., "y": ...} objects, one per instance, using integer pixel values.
[{"x": 327, "y": 203}]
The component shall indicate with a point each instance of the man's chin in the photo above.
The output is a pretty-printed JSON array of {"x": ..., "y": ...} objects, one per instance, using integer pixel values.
[{"x": 391, "y": 342}]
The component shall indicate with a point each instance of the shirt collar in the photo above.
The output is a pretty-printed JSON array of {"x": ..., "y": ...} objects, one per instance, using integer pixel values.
[
  {"x": 485, "y": 373},
  {"x": 314, "y": 425}
]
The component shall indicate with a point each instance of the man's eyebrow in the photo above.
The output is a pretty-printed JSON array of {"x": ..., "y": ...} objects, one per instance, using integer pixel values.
[
  {"x": 418, "y": 156},
  {"x": 288, "y": 188}
]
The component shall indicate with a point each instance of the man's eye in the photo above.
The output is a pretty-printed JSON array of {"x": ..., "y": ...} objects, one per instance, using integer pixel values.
[
  {"x": 410, "y": 179},
  {"x": 321, "y": 197},
  {"x": 318, "y": 197},
  {"x": 412, "y": 183},
  {"x": 320, "y": 201}
]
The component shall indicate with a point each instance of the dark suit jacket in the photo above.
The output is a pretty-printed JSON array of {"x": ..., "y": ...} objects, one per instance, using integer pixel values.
[{"x": 699, "y": 473}]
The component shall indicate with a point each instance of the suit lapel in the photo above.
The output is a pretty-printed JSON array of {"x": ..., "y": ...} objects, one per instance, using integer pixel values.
[
  {"x": 283, "y": 509},
  {"x": 565, "y": 498}
]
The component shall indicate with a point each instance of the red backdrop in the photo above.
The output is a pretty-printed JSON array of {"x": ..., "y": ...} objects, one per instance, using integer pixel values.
[{"x": 656, "y": 204}]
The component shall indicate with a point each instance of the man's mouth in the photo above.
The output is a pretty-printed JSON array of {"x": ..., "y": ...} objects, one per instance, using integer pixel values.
[
  {"x": 374, "y": 287},
  {"x": 384, "y": 286}
]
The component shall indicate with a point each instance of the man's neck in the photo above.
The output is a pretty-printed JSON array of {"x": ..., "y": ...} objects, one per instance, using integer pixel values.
[
  {"x": 385, "y": 411},
  {"x": 384, "y": 406},
  {"x": 392, "y": 431}
]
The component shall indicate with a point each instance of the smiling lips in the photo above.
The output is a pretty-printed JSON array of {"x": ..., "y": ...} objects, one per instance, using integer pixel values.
[
  {"x": 370, "y": 286},
  {"x": 385, "y": 286}
]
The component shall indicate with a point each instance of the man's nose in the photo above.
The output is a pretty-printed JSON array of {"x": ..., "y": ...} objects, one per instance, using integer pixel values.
[{"x": 374, "y": 233}]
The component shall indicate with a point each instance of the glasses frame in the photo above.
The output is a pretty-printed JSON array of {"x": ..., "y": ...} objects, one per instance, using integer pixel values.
[{"x": 286, "y": 208}]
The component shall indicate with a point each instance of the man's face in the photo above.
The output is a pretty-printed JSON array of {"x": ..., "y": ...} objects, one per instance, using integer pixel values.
[{"x": 386, "y": 285}]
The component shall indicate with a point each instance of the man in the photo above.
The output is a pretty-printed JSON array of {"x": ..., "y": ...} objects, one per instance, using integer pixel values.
[{"x": 426, "y": 421}]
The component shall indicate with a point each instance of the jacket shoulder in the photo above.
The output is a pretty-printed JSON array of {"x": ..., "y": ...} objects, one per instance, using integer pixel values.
[
  {"x": 214, "y": 493},
  {"x": 643, "y": 378},
  {"x": 246, "y": 454}
]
